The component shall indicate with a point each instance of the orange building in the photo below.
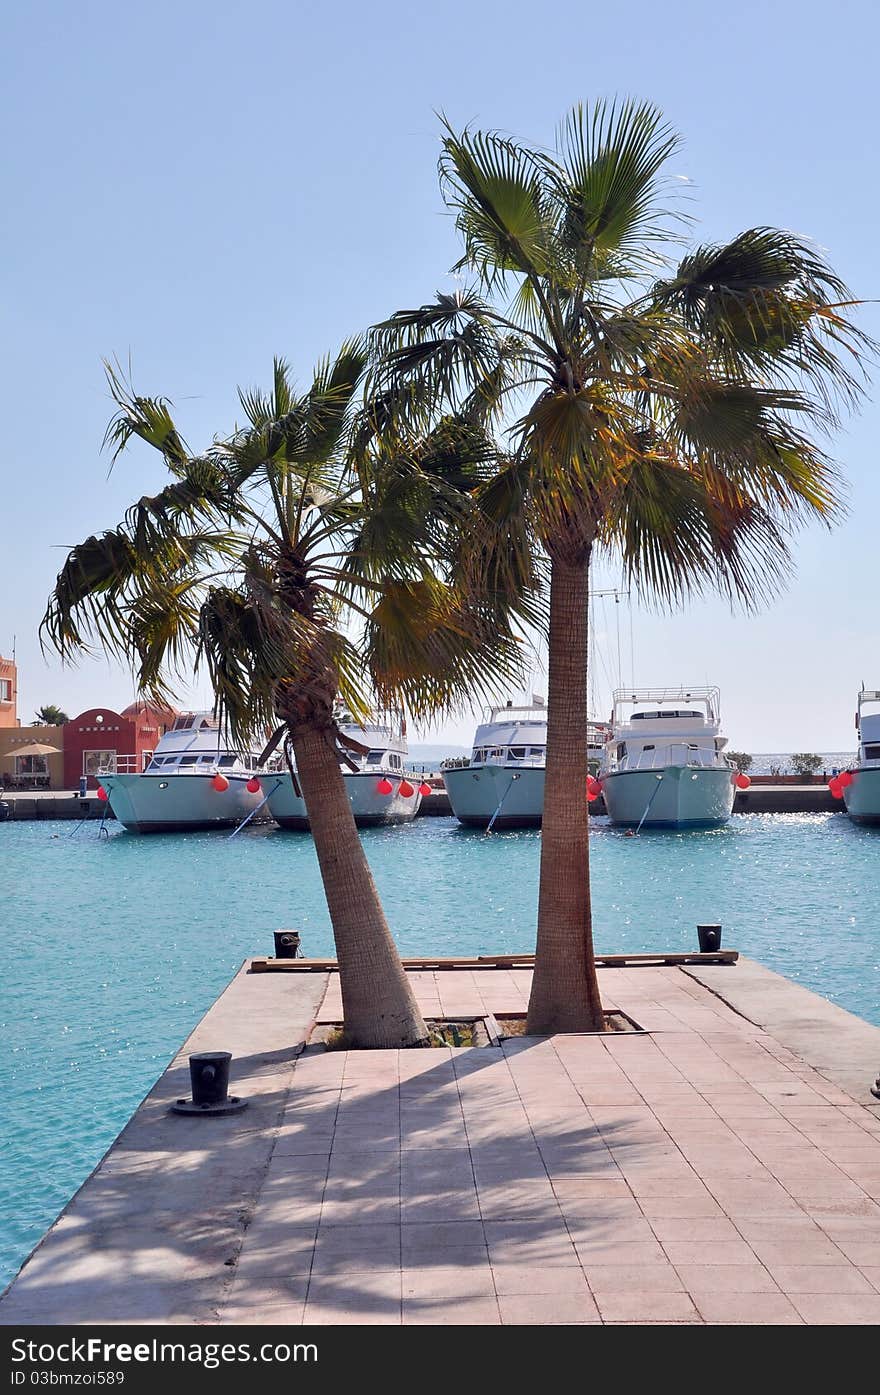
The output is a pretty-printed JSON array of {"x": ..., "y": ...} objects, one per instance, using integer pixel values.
[{"x": 8, "y": 693}]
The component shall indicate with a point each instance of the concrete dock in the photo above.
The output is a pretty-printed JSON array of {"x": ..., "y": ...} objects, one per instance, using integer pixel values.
[{"x": 721, "y": 1166}]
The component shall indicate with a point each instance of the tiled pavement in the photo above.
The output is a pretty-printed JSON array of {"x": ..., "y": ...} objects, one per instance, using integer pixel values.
[{"x": 701, "y": 1173}]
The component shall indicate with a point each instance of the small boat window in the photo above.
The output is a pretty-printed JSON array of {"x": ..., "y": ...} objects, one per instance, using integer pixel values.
[
  {"x": 226, "y": 760},
  {"x": 394, "y": 761},
  {"x": 517, "y": 752},
  {"x": 872, "y": 752},
  {"x": 621, "y": 750},
  {"x": 188, "y": 760},
  {"x": 206, "y": 760},
  {"x": 477, "y": 758},
  {"x": 375, "y": 758},
  {"x": 536, "y": 751},
  {"x": 647, "y": 748}
]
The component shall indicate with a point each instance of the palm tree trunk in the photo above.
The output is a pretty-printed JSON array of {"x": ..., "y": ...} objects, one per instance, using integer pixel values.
[
  {"x": 565, "y": 990},
  {"x": 378, "y": 1003}
]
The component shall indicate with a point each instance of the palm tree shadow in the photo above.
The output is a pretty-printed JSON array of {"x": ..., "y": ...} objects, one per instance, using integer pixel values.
[{"x": 318, "y": 1190}]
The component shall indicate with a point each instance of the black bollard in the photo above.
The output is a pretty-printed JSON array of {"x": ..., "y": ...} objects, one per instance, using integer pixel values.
[
  {"x": 287, "y": 944},
  {"x": 709, "y": 937},
  {"x": 209, "y": 1077}
]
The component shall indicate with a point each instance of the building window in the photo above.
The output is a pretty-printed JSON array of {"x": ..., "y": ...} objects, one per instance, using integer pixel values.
[
  {"x": 5, "y": 689},
  {"x": 97, "y": 763},
  {"x": 32, "y": 768}
]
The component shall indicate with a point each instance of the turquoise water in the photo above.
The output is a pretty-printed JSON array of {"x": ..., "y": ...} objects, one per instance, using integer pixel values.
[{"x": 115, "y": 947}]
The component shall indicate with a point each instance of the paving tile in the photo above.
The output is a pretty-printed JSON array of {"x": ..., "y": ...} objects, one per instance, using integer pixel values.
[
  {"x": 687, "y": 1207},
  {"x": 636, "y": 1306},
  {"x": 838, "y": 1308},
  {"x": 543, "y": 1309},
  {"x": 698, "y": 1251},
  {"x": 468, "y": 1312},
  {"x": 657, "y": 1277},
  {"x": 754, "y": 1309},
  {"x": 710, "y": 1279},
  {"x": 820, "y": 1278},
  {"x": 608, "y": 1250},
  {"x": 797, "y": 1249},
  {"x": 363, "y": 1297},
  {"x": 429, "y": 1236},
  {"x": 709, "y": 1231},
  {"x": 442, "y": 1206},
  {"x": 864, "y": 1253},
  {"x": 448, "y": 1281},
  {"x": 254, "y": 1302},
  {"x": 513, "y": 1278}
]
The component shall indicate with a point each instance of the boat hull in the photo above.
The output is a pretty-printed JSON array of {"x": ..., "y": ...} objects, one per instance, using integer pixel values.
[
  {"x": 370, "y": 808},
  {"x": 177, "y": 803},
  {"x": 862, "y": 797},
  {"x": 678, "y": 796},
  {"x": 476, "y": 792}
]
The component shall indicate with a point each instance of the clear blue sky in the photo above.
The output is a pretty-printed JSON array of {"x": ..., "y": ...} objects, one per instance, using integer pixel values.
[{"x": 202, "y": 185}]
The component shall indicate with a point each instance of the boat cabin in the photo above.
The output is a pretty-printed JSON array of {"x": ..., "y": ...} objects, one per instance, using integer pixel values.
[
  {"x": 653, "y": 728},
  {"x": 195, "y": 745},
  {"x": 868, "y": 727}
]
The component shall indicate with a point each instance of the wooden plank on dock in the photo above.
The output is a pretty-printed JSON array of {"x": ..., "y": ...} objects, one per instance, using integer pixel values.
[{"x": 500, "y": 961}]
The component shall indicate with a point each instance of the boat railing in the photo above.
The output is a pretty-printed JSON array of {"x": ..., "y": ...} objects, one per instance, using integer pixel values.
[
  {"x": 679, "y": 753},
  {"x": 121, "y": 765}
]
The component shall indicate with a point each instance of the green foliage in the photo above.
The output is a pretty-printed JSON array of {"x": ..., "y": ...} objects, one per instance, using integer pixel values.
[
  {"x": 669, "y": 417},
  {"x": 308, "y": 558},
  {"x": 741, "y": 760},
  {"x": 806, "y": 763},
  {"x": 51, "y": 716}
]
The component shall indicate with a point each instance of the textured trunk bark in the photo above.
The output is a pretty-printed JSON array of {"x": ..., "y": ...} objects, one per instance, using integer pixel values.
[
  {"x": 565, "y": 990},
  {"x": 378, "y": 1003}
]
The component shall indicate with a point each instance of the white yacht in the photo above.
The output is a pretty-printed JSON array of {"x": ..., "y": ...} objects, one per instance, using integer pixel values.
[
  {"x": 502, "y": 785},
  {"x": 195, "y": 779},
  {"x": 861, "y": 792},
  {"x": 381, "y": 790},
  {"x": 663, "y": 766}
]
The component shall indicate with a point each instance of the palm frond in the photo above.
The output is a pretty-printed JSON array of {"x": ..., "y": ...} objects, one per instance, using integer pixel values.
[
  {"x": 496, "y": 189},
  {"x": 607, "y": 184},
  {"x": 147, "y": 418}
]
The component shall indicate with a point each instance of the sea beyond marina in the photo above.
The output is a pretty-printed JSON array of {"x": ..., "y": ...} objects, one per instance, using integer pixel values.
[{"x": 117, "y": 944}]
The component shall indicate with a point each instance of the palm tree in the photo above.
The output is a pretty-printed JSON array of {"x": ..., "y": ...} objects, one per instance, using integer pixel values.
[
  {"x": 667, "y": 416},
  {"x": 299, "y": 582},
  {"x": 51, "y": 716}
]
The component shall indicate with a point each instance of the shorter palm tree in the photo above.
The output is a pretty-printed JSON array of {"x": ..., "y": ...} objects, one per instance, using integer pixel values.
[
  {"x": 299, "y": 576},
  {"x": 51, "y": 716}
]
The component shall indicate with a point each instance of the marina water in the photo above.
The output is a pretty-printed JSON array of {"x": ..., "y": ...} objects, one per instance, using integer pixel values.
[{"x": 114, "y": 947}]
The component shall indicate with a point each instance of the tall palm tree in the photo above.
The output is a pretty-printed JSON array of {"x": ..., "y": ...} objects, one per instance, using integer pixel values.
[
  {"x": 299, "y": 582},
  {"x": 51, "y": 716},
  {"x": 666, "y": 415}
]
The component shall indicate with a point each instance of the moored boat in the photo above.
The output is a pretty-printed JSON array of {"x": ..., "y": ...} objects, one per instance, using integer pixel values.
[
  {"x": 195, "y": 780},
  {"x": 663, "y": 765},
  {"x": 381, "y": 790},
  {"x": 861, "y": 790},
  {"x": 502, "y": 785}
]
